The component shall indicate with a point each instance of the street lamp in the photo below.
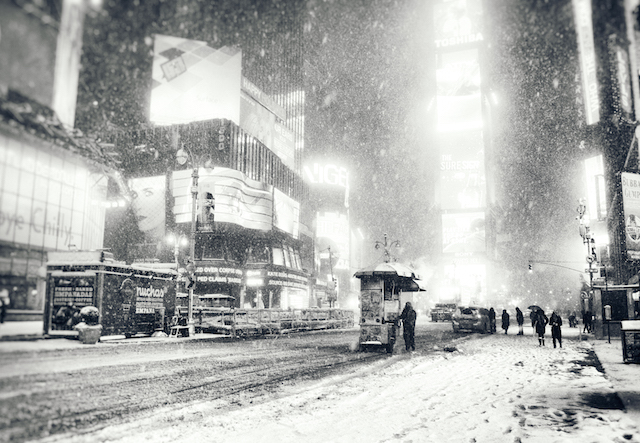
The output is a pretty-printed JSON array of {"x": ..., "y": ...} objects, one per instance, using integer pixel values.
[
  {"x": 183, "y": 155},
  {"x": 589, "y": 241},
  {"x": 386, "y": 245}
]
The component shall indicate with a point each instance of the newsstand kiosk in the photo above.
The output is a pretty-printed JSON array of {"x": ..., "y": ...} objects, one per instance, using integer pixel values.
[{"x": 132, "y": 299}]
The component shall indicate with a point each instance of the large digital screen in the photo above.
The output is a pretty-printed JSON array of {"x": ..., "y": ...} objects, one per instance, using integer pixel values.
[
  {"x": 49, "y": 201},
  {"x": 148, "y": 205},
  {"x": 462, "y": 183},
  {"x": 458, "y": 91},
  {"x": 463, "y": 233}
]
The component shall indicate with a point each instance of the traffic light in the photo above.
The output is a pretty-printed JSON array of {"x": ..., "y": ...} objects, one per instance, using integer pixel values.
[
  {"x": 191, "y": 275},
  {"x": 530, "y": 268}
]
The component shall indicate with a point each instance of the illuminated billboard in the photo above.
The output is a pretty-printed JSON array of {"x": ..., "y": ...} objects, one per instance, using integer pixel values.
[
  {"x": 457, "y": 22},
  {"x": 462, "y": 181},
  {"x": 458, "y": 91},
  {"x": 463, "y": 233},
  {"x": 148, "y": 205},
  {"x": 330, "y": 183},
  {"x": 50, "y": 201},
  {"x": 332, "y": 231},
  {"x": 194, "y": 82},
  {"x": 631, "y": 205},
  {"x": 596, "y": 190},
  {"x": 587, "y": 53}
]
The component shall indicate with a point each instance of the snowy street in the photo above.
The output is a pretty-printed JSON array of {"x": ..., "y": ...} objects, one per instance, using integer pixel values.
[{"x": 482, "y": 388}]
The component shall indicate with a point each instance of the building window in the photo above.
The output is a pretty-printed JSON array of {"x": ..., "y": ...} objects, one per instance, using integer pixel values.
[
  {"x": 278, "y": 256},
  {"x": 213, "y": 249}
]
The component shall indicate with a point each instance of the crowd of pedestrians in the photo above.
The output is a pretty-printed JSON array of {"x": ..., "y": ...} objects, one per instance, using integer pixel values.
[{"x": 540, "y": 321}]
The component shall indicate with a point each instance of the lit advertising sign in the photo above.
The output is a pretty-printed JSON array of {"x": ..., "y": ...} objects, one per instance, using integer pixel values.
[
  {"x": 218, "y": 274},
  {"x": 327, "y": 174},
  {"x": 67, "y": 68},
  {"x": 49, "y": 201},
  {"x": 631, "y": 206},
  {"x": 286, "y": 213},
  {"x": 238, "y": 199},
  {"x": 457, "y": 22},
  {"x": 596, "y": 191},
  {"x": 621, "y": 62},
  {"x": 586, "y": 50},
  {"x": 333, "y": 228},
  {"x": 458, "y": 90},
  {"x": 148, "y": 204},
  {"x": 194, "y": 82},
  {"x": 463, "y": 233},
  {"x": 462, "y": 183}
]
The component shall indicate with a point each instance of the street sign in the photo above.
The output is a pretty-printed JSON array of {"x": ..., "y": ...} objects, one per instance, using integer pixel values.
[{"x": 592, "y": 270}]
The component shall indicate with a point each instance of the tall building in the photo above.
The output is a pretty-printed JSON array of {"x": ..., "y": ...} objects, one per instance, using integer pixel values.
[
  {"x": 53, "y": 180},
  {"x": 225, "y": 118},
  {"x": 461, "y": 138}
]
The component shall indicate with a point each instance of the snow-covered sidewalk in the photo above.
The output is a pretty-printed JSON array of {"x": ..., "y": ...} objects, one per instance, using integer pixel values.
[{"x": 490, "y": 389}]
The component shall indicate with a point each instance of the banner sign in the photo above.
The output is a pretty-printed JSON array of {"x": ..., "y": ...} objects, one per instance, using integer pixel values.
[
  {"x": 586, "y": 50},
  {"x": 631, "y": 207}
]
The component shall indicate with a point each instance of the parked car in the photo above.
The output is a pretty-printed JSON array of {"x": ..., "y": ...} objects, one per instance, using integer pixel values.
[
  {"x": 442, "y": 311},
  {"x": 471, "y": 318}
]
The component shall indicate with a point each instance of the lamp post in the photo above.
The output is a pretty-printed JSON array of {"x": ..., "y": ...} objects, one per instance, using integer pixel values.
[
  {"x": 386, "y": 245},
  {"x": 182, "y": 156},
  {"x": 589, "y": 241}
]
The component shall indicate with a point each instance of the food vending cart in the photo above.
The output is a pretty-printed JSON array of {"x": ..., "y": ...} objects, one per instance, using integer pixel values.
[
  {"x": 630, "y": 338},
  {"x": 384, "y": 289},
  {"x": 132, "y": 299}
]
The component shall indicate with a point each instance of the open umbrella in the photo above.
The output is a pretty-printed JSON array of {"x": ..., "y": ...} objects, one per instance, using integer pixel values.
[{"x": 535, "y": 308}]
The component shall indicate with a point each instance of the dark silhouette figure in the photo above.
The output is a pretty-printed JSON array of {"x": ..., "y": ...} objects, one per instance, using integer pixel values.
[
  {"x": 556, "y": 333},
  {"x": 572, "y": 320},
  {"x": 408, "y": 318},
  {"x": 492, "y": 320},
  {"x": 540, "y": 325},
  {"x": 505, "y": 320},
  {"x": 520, "y": 320},
  {"x": 587, "y": 321}
]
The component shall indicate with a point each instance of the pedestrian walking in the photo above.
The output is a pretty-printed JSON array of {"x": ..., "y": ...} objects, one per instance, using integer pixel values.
[
  {"x": 408, "y": 318},
  {"x": 520, "y": 320},
  {"x": 540, "y": 325},
  {"x": 556, "y": 333},
  {"x": 505, "y": 320},
  {"x": 492, "y": 320}
]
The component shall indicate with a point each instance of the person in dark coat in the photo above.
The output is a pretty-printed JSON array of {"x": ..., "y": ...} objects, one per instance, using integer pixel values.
[
  {"x": 587, "y": 318},
  {"x": 492, "y": 320},
  {"x": 505, "y": 320},
  {"x": 408, "y": 318},
  {"x": 540, "y": 324},
  {"x": 520, "y": 320},
  {"x": 556, "y": 333}
]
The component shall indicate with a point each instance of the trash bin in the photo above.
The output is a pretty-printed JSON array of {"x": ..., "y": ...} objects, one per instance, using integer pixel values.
[{"x": 630, "y": 337}]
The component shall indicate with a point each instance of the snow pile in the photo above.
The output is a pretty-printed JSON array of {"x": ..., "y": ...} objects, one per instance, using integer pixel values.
[{"x": 489, "y": 389}]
